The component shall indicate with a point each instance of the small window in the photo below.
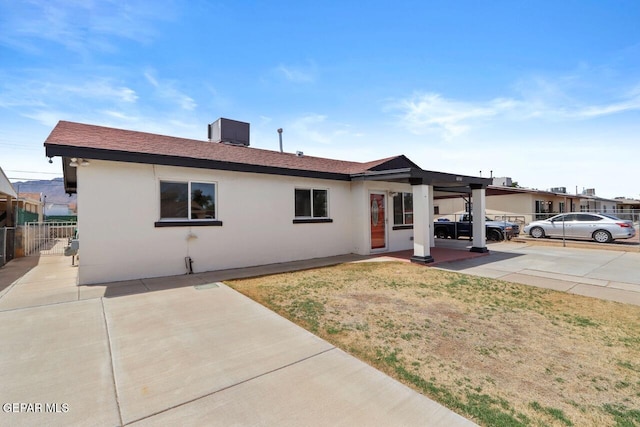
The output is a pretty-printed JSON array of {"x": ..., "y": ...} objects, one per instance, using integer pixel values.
[
  {"x": 403, "y": 209},
  {"x": 174, "y": 198},
  {"x": 187, "y": 201},
  {"x": 436, "y": 210},
  {"x": 311, "y": 203}
]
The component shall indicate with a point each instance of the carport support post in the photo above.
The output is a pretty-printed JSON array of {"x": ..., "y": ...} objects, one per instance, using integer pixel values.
[
  {"x": 479, "y": 243},
  {"x": 422, "y": 223}
]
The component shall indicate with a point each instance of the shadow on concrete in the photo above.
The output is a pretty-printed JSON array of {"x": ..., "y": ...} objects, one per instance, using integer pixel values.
[
  {"x": 489, "y": 258},
  {"x": 15, "y": 269},
  {"x": 447, "y": 257},
  {"x": 132, "y": 287}
]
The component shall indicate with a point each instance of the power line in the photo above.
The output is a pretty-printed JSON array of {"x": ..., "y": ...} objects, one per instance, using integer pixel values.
[
  {"x": 47, "y": 173},
  {"x": 33, "y": 179}
]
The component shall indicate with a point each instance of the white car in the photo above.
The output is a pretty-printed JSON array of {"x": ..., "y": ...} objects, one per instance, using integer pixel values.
[{"x": 602, "y": 228}]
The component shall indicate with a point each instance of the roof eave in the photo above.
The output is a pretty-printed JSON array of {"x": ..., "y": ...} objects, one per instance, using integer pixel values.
[
  {"x": 53, "y": 150},
  {"x": 384, "y": 175}
]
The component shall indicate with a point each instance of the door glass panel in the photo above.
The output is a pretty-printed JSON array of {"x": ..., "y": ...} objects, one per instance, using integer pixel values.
[{"x": 376, "y": 206}]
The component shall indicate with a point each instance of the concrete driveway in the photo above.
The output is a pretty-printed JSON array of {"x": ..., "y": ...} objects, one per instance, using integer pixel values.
[
  {"x": 600, "y": 273},
  {"x": 183, "y": 350}
]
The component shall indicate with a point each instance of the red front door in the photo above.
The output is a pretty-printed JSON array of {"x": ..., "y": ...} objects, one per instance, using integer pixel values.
[{"x": 377, "y": 218}]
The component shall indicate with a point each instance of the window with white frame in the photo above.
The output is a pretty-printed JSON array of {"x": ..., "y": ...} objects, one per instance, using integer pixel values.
[
  {"x": 403, "y": 209},
  {"x": 311, "y": 203},
  {"x": 187, "y": 201}
]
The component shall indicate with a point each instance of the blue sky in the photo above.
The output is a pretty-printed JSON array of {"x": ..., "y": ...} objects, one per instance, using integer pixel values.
[{"x": 545, "y": 92}]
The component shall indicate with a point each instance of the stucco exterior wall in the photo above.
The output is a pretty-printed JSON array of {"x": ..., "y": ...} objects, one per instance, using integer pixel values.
[
  {"x": 447, "y": 207},
  {"x": 397, "y": 240},
  {"x": 520, "y": 203},
  {"x": 120, "y": 202}
]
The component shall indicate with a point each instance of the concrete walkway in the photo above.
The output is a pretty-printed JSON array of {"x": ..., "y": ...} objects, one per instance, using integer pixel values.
[{"x": 184, "y": 350}]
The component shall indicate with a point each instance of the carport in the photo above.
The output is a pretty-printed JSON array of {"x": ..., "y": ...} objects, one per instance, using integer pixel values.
[
  {"x": 7, "y": 222},
  {"x": 427, "y": 185}
]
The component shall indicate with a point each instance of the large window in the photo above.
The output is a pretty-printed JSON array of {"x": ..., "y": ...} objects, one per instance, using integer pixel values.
[
  {"x": 187, "y": 201},
  {"x": 311, "y": 203},
  {"x": 403, "y": 209}
]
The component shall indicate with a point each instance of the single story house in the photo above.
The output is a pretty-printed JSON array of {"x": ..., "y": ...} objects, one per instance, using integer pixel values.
[
  {"x": 523, "y": 205},
  {"x": 57, "y": 209},
  {"x": 189, "y": 205},
  {"x": 30, "y": 207}
]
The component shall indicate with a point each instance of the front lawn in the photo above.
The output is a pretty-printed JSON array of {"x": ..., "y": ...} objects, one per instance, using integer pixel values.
[{"x": 499, "y": 353}]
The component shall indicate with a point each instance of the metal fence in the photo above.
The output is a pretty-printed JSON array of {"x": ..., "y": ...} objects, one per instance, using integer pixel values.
[
  {"x": 47, "y": 238},
  {"x": 524, "y": 218},
  {"x": 626, "y": 214},
  {"x": 7, "y": 239}
]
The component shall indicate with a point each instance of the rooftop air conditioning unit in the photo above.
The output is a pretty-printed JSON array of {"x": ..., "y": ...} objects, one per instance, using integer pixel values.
[
  {"x": 562, "y": 190},
  {"x": 229, "y": 132},
  {"x": 503, "y": 181}
]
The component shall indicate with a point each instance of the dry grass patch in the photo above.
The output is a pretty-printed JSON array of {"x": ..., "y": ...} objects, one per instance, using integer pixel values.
[{"x": 496, "y": 352}]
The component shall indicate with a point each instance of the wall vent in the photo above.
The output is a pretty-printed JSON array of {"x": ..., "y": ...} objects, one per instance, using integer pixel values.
[{"x": 229, "y": 132}]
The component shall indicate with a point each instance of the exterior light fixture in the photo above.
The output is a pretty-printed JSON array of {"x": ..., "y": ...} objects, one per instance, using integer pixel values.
[{"x": 78, "y": 162}]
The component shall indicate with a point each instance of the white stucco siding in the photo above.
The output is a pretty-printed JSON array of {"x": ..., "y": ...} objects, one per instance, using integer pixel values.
[
  {"x": 120, "y": 202},
  {"x": 397, "y": 240}
]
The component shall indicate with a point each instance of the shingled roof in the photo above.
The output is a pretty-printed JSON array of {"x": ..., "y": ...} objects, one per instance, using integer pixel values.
[
  {"x": 83, "y": 141},
  {"x": 89, "y": 141}
]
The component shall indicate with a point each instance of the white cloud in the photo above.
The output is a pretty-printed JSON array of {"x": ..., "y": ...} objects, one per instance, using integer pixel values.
[
  {"x": 424, "y": 113},
  {"x": 298, "y": 73},
  {"x": 312, "y": 128},
  {"x": 166, "y": 89},
  {"x": 120, "y": 115},
  {"x": 318, "y": 128},
  {"x": 42, "y": 94},
  {"x": 630, "y": 102},
  {"x": 80, "y": 26},
  {"x": 100, "y": 89},
  {"x": 47, "y": 118}
]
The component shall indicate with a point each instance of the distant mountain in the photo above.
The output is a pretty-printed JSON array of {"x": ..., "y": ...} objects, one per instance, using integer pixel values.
[{"x": 53, "y": 189}]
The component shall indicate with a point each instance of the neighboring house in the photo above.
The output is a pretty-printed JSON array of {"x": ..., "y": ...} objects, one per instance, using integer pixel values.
[
  {"x": 589, "y": 202},
  {"x": 219, "y": 205},
  {"x": 627, "y": 205},
  {"x": 524, "y": 205},
  {"x": 57, "y": 209},
  {"x": 8, "y": 197},
  {"x": 30, "y": 207}
]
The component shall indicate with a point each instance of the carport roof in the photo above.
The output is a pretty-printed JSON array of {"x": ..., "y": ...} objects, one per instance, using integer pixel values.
[
  {"x": 77, "y": 140},
  {"x": 6, "y": 189}
]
